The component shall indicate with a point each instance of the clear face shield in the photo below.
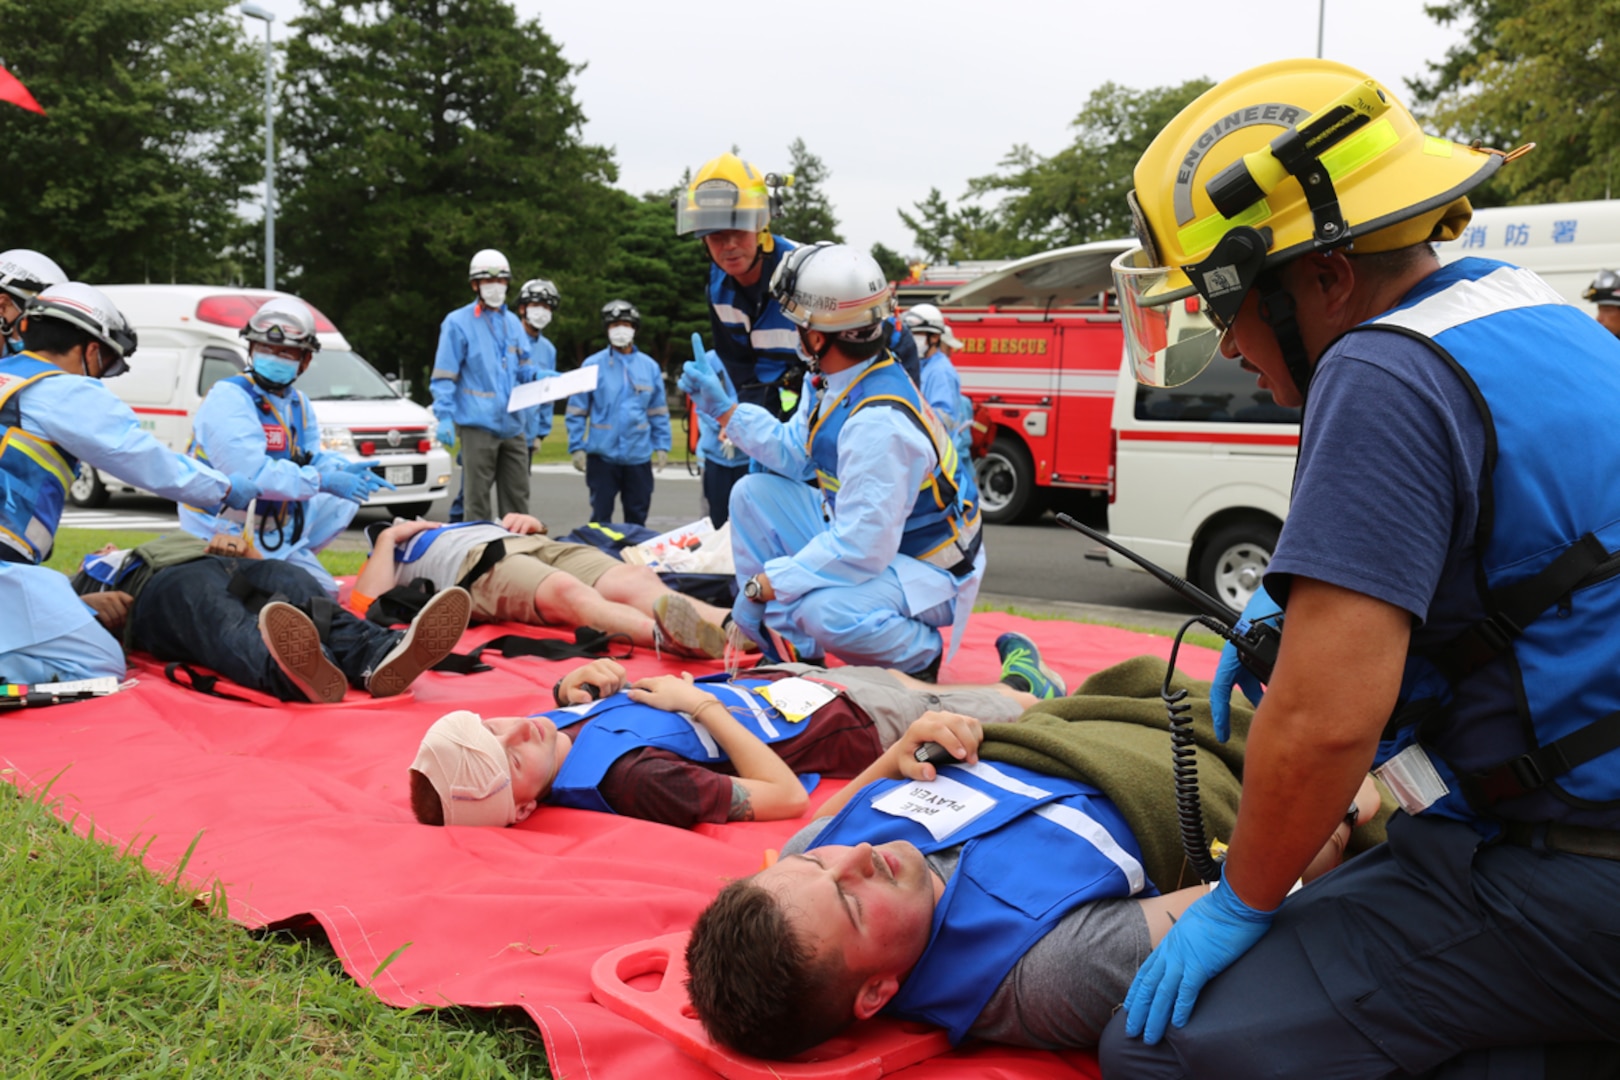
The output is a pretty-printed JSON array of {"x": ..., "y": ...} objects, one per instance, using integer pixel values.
[{"x": 1169, "y": 339}]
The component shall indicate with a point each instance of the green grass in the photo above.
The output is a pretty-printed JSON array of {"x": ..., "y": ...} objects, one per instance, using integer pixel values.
[
  {"x": 72, "y": 545},
  {"x": 1194, "y": 637},
  {"x": 108, "y": 971}
]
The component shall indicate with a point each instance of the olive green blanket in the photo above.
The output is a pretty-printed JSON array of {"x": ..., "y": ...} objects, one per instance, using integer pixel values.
[{"x": 1113, "y": 733}]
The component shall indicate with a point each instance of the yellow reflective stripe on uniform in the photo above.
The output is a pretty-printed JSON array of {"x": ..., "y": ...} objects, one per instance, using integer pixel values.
[
  {"x": 611, "y": 534},
  {"x": 1360, "y": 148},
  {"x": 827, "y": 481},
  {"x": 1202, "y": 235},
  {"x": 16, "y": 542},
  {"x": 44, "y": 454}
]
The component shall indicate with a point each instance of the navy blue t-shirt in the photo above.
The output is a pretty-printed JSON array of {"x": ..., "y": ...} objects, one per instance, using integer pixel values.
[{"x": 1387, "y": 491}]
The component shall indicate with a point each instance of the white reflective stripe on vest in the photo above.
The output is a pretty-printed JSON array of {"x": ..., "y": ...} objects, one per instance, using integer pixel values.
[
  {"x": 774, "y": 339},
  {"x": 992, "y": 775},
  {"x": 1506, "y": 289},
  {"x": 752, "y": 702},
  {"x": 1083, "y": 826},
  {"x": 710, "y": 747},
  {"x": 733, "y": 316}
]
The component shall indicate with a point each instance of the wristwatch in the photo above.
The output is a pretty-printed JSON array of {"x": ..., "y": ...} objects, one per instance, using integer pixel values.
[{"x": 753, "y": 590}]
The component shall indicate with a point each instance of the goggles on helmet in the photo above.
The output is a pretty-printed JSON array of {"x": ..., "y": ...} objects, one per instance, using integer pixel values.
[{"x": 1170, "y": 334}]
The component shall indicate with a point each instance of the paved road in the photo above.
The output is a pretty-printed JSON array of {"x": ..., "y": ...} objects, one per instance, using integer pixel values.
[{"x": 1041, "y": 567}]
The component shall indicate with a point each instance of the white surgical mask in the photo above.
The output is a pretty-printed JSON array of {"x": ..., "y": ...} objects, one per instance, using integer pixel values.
[
  {"x": 922, "y": 343},
  {"x": 538, "y": 316},
  {"x": 620, "y": 337},
  {"x": 492, "y": 293}
]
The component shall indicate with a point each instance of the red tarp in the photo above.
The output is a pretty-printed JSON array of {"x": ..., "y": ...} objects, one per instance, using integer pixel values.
[
  {"x": 12, "y": 90},
  {"x": 302, "y": 811}
]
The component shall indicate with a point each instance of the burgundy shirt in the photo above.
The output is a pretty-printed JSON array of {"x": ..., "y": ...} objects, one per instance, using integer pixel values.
[{"x": 656, "y": 785}]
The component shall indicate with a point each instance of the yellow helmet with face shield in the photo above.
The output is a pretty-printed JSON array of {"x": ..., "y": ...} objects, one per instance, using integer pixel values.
[
  {"x": 1284, "y": 159},
  {"x": 729, "y": 193}
]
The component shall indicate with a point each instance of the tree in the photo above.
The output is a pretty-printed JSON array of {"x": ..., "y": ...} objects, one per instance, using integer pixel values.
[
  {"x": 1078, "y": 194},
  {"x": 807, "y": 214},
  {"x": 151, "y": 138},
  {"x": 1073, "y": 197},
  {"x": 1535, "y": 71},
  {"x": 894, "y": 265},
  {"x": 421, "y": 132}
]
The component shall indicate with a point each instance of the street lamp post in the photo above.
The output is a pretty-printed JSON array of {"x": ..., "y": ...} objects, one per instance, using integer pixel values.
[{"x": 254, "y": 11}]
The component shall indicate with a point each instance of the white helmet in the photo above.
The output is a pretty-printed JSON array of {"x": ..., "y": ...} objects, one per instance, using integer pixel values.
[
  {"x": 539, "y": 291},
  {"x": 925, "y": 319},
  {"x": 284, "y": 320},
  {"x": 488, "y": 264},
  {"x": 24, "y": 272},
  {"x": 832, "y": 288},
  {"x": 88, "y": 308}
]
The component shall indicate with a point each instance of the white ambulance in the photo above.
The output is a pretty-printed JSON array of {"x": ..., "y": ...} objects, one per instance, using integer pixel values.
[
  {"x": 189, "y": 340},
  {"x": 1202, "y": 472}
]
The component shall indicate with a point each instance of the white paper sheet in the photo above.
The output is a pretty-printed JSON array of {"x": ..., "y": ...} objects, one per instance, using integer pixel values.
[{"x": 527, "y": 395}]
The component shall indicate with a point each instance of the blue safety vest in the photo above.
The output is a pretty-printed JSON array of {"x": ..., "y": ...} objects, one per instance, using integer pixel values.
[
  {"x": 749, "y": 327},
  {"x": 616, "y": 725},
  {"x": 1520, "y": 714},
  {"x": 1047, "y": 846},
  {"x": 943, "y": 527},
  {"x": 283, "y": 441},
  {"x": 35, "y": 472}
]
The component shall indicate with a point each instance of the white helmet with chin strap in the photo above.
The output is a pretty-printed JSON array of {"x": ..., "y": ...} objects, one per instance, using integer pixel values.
[
  {"x": 87, "y": 308},
  {"x": 488, "y": 265},
  {"x": 924, "y": 319},
  {"x": 23, "y": 274},
  {"x": 284, "y": 321},
  {"x": 833, "y": 288}
]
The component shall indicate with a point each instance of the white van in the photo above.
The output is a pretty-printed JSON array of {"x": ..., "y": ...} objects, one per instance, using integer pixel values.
[
  {"x": 189, "y": 340},
  {"x": 1202, "y": 473}
]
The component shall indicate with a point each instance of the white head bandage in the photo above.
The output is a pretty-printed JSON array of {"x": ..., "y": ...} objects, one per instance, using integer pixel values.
[{"x": 468, "y": 767}]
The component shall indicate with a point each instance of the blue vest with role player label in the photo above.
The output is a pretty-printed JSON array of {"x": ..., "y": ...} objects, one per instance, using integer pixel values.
[
  {"x": 754, "y": 329},
  {"x": 616, "y": 725},
  {"x": 1520, "y": 715},
  {"x": 285, "y": 426},
  {"x": 1045, "y": 847},
  {"x": 35, "y": 473},
  {"x": 943, "y": 526}
]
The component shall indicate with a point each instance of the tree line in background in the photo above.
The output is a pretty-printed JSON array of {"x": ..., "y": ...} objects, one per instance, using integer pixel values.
[{"x": 413, "y": 132}]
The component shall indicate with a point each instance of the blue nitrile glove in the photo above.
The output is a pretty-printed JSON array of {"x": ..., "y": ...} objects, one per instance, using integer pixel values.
[
  {"x": 1230, "y": 671},
  {"x": 243, "y": 491},
  {"x": 709, "y": 394},
  {"x": 446, "y": 433},
  {"x": 354, "y": 486},
  {"x": 1213, "y": 932}
]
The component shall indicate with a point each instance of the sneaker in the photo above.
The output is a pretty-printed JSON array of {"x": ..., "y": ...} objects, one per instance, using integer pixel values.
[
  {"x": 295, "y": 646},
  {"x": 684, "y": 632},
  {"x": 1023, "y": 669},
  {"x": 431, "y": 637}
]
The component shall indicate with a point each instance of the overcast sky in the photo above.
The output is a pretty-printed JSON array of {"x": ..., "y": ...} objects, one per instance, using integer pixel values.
[{"x": 896, "y": 99}]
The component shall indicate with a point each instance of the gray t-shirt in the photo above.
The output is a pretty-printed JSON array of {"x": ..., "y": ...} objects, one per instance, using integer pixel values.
[
  {"x": 1063, "y": 991},
  {"x": 441, "y": 563}
]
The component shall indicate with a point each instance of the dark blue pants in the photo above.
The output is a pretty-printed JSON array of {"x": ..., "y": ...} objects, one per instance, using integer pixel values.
[
  {"x": 1429, "y": 956},
  {"x": 187, "y": 613},
  {"x": 718, "y": 480},
  {"x": 632, "y": 484}
]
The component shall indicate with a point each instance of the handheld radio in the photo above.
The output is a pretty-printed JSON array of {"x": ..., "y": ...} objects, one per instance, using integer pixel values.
[{"x": 1256, "y": 644}]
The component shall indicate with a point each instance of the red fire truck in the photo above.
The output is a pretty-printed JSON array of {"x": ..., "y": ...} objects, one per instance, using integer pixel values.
[{"x": 1041, "y": 348}]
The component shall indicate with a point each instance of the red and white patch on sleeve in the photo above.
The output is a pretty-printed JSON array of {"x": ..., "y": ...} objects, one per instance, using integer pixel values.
[{"x": 275, "y": 438}]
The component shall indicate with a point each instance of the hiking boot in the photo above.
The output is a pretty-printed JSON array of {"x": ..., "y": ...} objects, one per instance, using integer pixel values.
[
  {"x": 1023, "y": 669},
  {"x": 684, "y": 632},
  {"x": 431, "y": 637},
  {"x": 295, "y": 646}
]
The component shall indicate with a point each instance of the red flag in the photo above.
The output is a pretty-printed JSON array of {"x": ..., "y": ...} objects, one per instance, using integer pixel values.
[{"x": 12, "y": 90}]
